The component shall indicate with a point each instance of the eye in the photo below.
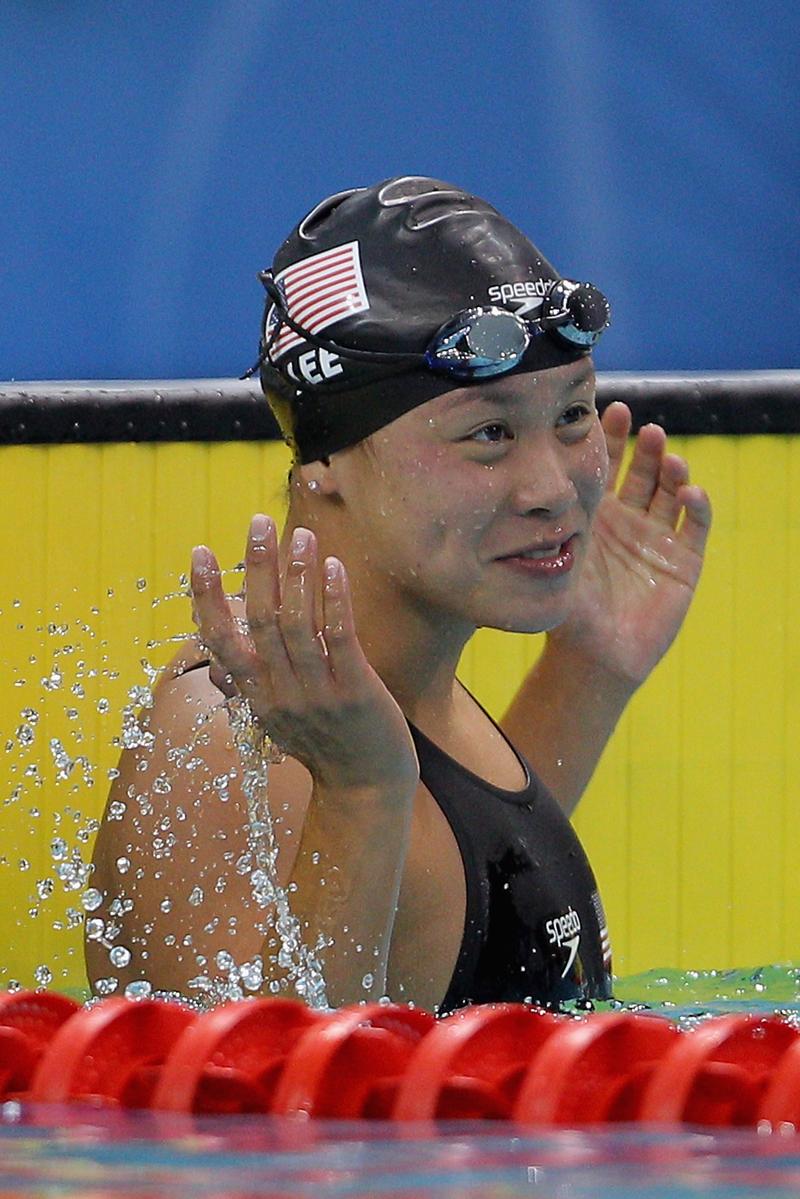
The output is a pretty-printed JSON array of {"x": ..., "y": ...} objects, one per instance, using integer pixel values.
[
  {"x": 575, "y": 414},
  {"x": 492, "y": 434}
]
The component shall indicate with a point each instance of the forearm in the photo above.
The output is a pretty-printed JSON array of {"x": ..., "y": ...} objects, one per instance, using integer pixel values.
[
  {"x": 562, "y": 717},
  {"x": 344, "y": 887}
]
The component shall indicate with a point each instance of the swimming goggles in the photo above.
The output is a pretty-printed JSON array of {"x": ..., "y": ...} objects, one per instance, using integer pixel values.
[{"x": 476, "y": 343}]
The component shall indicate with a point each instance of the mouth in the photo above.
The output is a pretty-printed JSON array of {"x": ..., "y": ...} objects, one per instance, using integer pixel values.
[{"x": 548, "y": 560}]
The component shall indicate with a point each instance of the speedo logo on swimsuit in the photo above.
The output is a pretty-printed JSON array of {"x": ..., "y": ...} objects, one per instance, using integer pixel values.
[
  {"x": 565, "y": 930},
  {"x": 523, "y": 296}
]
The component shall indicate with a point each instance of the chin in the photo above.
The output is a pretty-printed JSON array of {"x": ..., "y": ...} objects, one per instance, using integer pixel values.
[
  {"x": 523, "y": 616},
  {"x": 528, "y": 622}
]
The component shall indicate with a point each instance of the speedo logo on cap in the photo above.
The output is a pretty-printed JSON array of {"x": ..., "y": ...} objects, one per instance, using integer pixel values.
[
  {"x": 319, "y": 291},
  {"x": 523, "y": 296}
]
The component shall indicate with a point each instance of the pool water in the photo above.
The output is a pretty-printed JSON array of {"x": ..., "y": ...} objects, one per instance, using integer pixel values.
[
  {"x": 77, "y": 1152},
  {"x": 681, "y": 994}
]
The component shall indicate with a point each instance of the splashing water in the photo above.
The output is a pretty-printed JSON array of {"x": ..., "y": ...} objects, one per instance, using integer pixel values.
[
  {"x": 299, "y": 966},
  {"x": 74, "y": 696}
]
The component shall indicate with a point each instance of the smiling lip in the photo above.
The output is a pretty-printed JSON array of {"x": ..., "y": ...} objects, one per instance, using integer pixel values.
[{"x": 558, "y": 561}]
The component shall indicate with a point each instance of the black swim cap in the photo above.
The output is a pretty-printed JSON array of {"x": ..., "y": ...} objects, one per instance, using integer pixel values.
[{"x": 378, "y": 270}]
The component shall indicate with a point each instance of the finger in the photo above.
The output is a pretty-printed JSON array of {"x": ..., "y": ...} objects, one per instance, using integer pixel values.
[
  {"x": 345, "y": 655},
  {"x": 296, "y": 615},
  {"x": 262, "y": 601},
  {"x": 262, "y": 591},
  {"x": 697, "y": 518},
  {"x": 263, "y": 594},
  {"x": 216, "y": 624},
  {"x": 665, "y": 505},
  {"x": 221, "y": 678},
  {"x": 616, "y": 422},
  {"x": 641, "y": 478}
]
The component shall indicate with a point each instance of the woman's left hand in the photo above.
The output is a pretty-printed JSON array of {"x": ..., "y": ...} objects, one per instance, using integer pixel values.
[{"x": 644, "y": 557}]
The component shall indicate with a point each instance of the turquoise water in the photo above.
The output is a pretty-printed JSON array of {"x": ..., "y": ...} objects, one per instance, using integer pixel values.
[{"x": 685, "y": 993}]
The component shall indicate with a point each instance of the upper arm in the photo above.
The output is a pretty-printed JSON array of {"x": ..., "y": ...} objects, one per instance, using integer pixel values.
[{"x": 171, "y": 858}]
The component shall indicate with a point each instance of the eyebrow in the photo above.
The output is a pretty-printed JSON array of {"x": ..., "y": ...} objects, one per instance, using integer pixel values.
[{"x": 500, "y": 395}]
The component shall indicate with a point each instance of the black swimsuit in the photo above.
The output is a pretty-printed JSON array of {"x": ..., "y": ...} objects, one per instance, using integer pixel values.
[{"x": 535, "y": 927}]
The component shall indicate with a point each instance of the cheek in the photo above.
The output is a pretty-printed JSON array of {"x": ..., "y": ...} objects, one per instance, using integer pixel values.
[{"x": 593, "y": 471}]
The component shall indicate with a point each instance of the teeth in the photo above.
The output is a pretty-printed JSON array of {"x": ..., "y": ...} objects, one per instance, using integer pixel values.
[{"x": 551, "y": 553}]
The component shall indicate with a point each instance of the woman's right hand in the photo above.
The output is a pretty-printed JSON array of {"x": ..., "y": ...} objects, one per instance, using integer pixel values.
[{"x": 310, "y": 688}]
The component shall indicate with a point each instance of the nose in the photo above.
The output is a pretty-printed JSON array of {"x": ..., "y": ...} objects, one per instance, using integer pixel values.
[{"x": 544, "y": 483}]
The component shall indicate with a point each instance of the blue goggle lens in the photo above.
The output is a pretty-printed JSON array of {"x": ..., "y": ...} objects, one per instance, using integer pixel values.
[
  {"x": 481, "y": 342},
  {"x": 478, "y": 343}
]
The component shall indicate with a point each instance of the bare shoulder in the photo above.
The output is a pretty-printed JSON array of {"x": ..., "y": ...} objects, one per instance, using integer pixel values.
[{"x": 171, "y": 857}]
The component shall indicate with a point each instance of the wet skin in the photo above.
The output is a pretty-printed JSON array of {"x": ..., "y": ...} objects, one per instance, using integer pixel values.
[{"x": 439, "y": 501}]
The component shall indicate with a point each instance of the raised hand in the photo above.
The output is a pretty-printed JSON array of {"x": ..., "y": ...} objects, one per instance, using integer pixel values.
[
  {"x": 644, "y": 559},
  {"x": 295, "y": 657}
]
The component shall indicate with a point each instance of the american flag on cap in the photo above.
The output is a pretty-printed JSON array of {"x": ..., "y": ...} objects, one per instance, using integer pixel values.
[{"x": 319, "y": 291}]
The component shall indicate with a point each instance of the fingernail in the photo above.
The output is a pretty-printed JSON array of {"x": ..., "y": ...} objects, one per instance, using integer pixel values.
[
  {"x": 260, "y": 527},
  {"x": 300, "y": 539},
  {"x": 333, "y": 571},
  {"x": 201, "y": 559}
]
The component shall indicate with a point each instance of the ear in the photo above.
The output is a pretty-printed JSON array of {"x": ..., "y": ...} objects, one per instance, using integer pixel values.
[{"x": 318, "y": 478}]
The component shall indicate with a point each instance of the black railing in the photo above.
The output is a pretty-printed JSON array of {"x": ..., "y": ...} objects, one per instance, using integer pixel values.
[{"x": 230, "y": 410}]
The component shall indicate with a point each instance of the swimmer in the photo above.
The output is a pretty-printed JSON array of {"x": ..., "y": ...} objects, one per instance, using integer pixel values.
[{"x": 432, "y": 373}]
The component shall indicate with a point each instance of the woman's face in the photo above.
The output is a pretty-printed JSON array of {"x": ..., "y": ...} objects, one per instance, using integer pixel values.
[{"x": 479, "y": 502}]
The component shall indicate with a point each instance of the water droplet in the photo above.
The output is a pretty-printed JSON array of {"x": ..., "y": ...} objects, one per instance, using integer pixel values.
[
  {"x": 119, "y": 956},
  {"x": 196, "y": 896},
  {"x": 166, "y": 905},
  {"x": 95, "y": 929},
  {"x": 91, "y": 899},
  {"x": 368, "y": 981},
  {"x": 53, "y": 681},
  {"x": 123, "y": 865},
  {"x": 43, "y": 975},
  {"x": 106, "y": 986},
  {"x": 44, "y": 888},
  {"x": 140, "y": 989},
  {"x": 252, "y": 974}
]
